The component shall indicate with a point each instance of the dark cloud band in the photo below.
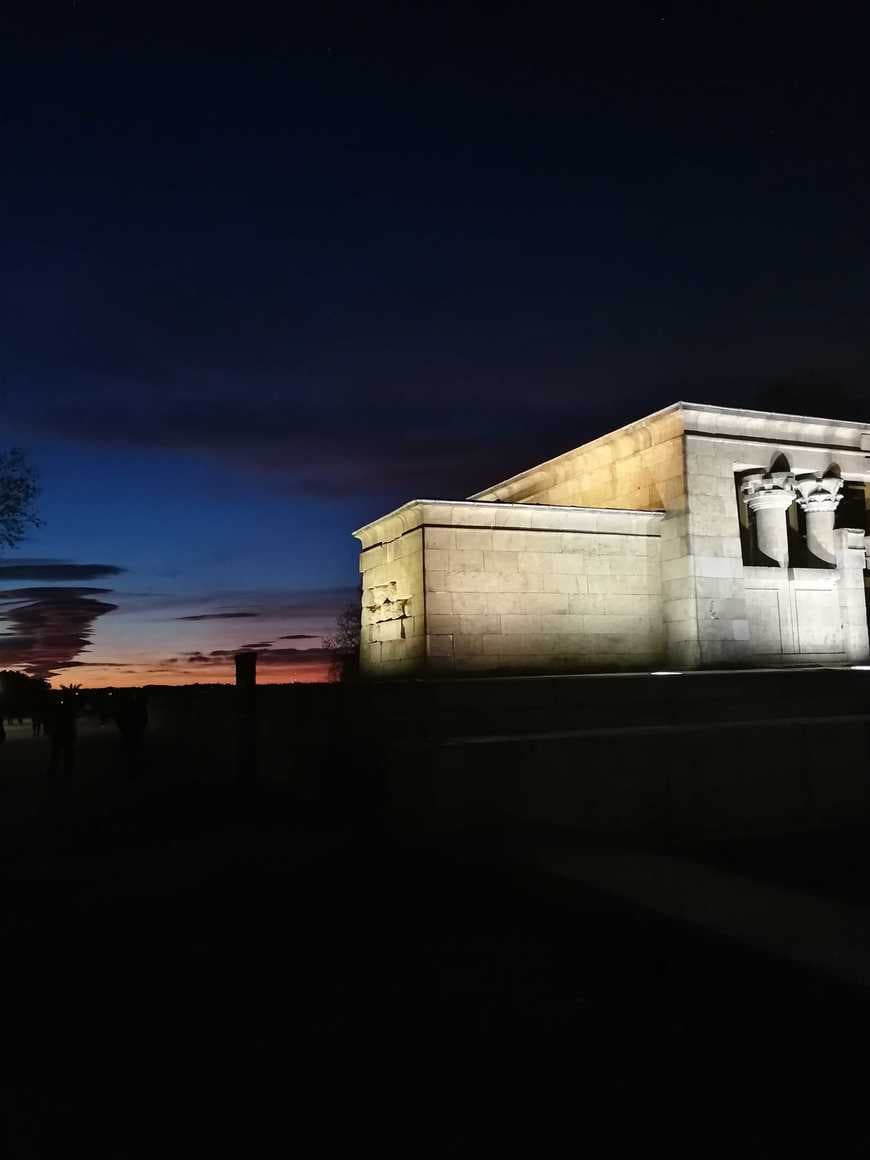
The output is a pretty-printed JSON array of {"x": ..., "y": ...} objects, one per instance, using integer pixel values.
[
  {"x": 57, "y": 571},
  {"x": 220, "y": 616}
]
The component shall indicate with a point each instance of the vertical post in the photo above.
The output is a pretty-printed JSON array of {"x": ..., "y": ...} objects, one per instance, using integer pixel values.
[
  {"x": 849, "y": 548},
  {"x": 246, "y": 703},
  {"x": 819, "y": 498},
  {"x": 769, "y": 496}
]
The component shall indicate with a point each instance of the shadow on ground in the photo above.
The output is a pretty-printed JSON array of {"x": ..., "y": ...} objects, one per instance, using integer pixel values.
[{"x": 190, "y": 966}]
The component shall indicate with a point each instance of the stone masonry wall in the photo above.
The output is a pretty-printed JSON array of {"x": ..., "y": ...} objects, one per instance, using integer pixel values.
[
  {"x": 512, "y": 588},
  {"x": 760, "y": 615},
  {"x": 640, "y": 467},
  {"x": 392, "y": 638}
]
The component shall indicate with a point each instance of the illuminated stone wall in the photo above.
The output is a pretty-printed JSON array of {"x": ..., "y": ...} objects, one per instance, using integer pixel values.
[
  {"x": 639, "y": 467},
  {"x": 511, "y": 588},
  {"x": 747, "y": 614},
  {"x": 716, "y": 610},
  {"x": 392, "y": 636}
]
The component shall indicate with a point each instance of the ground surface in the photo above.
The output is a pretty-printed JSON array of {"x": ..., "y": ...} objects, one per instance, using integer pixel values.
[{"x": 188, "y": 966}]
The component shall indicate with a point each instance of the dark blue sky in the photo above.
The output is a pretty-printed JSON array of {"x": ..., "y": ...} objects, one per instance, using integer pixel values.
[{"x": 264, "y": 277}]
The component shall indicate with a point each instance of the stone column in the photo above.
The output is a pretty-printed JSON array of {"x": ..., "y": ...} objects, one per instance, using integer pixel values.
[
  {"x": 849, "y": 549},
  {"x": 819, "y": 499},
  {"x": 770, "y": 497}
]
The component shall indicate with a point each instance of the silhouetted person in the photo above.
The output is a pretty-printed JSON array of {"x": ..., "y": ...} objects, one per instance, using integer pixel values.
[
  {"x": 131, "y": 717},
  {"x": 36, "y": 725},
  {"x": 2, "y": 732},
  {"x": 60, "y": 724}
]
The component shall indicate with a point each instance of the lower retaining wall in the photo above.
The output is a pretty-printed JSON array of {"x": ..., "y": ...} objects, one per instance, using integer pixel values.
[
  {"x": 656, "y": 761},
  {"x": 660, "y": 786},
  {"x": 612, "y": 759}
]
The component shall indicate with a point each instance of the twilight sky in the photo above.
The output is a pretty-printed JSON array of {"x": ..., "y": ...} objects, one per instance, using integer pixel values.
[{"x": 264, "y": 278}]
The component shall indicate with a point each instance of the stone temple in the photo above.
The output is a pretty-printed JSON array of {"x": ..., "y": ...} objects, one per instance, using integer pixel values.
[{"x": 698, "y": 537}]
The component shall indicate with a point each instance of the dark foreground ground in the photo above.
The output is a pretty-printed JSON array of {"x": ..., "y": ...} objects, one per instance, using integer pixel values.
[{"x": 188, "y": 967}]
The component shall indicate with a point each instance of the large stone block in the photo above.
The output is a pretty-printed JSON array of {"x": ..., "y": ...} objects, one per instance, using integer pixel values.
[
  {"x": 513, "y": 517},
  {"x": 566, "y": 583},
  {"x": 439, "y": 624},
  {"x": 390, "y": 630},
  {"x": 370, "y": 655},
  {"x": 615, "y": 624},
  {"x": 674, "y": 549},
  {"x": 439, "y": 602},
  {"x": 722, "y": 607},
  {"x": 467, "y": 645},
  {"x": 500, "y": 561},
  {"x": 681, "y": 631},
  {"x": 570, "y": 562},
  {"x": 545, "y": 541},
  {"x": 684, "y": 653},
  {"x": 719, "y": 586},
  {"x": 371, "y": 557},
  {"x": 472, "y": 602},
  {"x": 436, "y": 580},
  {"x": 441, "y": 538},
  {"x": 634, "y": 566},
  {"x": 439, "y": 646},
  {"x": 411, "y": 544},
  {"x": 716, "y": 566},
  {"x": 594, "y": 604},
  {"x": 473, "y": 539},
  {"x": 560, "y": 623},
  {"x": 437, "y": 559},
  {"x": 647, "y": 584},
  {"x": 536, "y": 561},
  {"x": 551, "y": 602},
  {"x": 679, "y": 589},
  {"x": 479, "y": 624},
  {"x": 571, "y": 643},
  {"x": 523, "y": 623},
  {"x": 492, "y": 582},
  {"x": 479, "y": 515},
  {"x": 676, "y": 610},
  {"x": 512, "y": 603},
  {"x": 674, "y": 569},
  {"x": 519, "y": 644},
  {"x": 465, "y": 560},
  {"x": 403, "y": 650},
  {"x": 509, "y": 541},
  {"x": 632, "y": 605}
]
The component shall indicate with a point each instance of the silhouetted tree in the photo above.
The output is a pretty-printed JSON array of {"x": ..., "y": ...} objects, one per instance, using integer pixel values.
[
  {"x": 21, "y": 695},
  {"x": 19, "y": 488},
  {"x": 344, "y": 644}
]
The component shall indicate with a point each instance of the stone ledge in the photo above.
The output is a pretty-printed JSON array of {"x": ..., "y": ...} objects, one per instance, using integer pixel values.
[{"x": 488, "y": 515}]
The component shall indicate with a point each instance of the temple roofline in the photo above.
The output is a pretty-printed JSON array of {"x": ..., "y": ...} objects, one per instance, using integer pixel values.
[{"x": 756, "y": 424}]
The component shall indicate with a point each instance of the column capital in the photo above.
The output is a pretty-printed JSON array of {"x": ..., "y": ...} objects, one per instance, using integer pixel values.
[
  {"x": 817, "y": 494},
  {"x": 764, "y": 491}
]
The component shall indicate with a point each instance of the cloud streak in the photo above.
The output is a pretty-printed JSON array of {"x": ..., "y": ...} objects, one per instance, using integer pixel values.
[
  {"x": 220, "y": 616},
  {"x": 49, "y": 627},
  {"x": 57, "y": 570},
  {"x": 269, "y": 657}
]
